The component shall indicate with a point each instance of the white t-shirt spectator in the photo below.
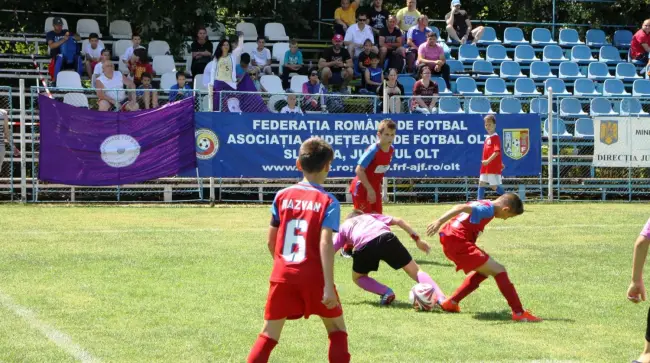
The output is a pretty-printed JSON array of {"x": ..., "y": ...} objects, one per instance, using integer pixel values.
[
  {"x": 261, "y": 57},
  {"x": 286, "y": 109},
  {"x": 355, "y": 35},
  {"x": 94, "y": 53},
  {"x": 128, "y": 53}
]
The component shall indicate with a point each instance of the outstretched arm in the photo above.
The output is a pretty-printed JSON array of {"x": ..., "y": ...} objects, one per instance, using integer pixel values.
[
  {"x": 421, "y": 244},
  {"x": 434, "y": 227}
]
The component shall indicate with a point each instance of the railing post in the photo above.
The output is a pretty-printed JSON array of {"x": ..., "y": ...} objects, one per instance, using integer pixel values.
[
  {"x": 23, "y": 152},
  {"x": 550, "y": 143}
]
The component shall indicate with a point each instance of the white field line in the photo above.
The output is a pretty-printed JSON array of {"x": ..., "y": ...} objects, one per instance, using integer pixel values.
[
  {"x": 113, "y": 231},
  {"x": 57, "y": 337}
]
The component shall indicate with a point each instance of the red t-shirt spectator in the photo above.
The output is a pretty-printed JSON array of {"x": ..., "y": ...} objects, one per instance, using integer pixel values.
[
  {"x": 139, "y": 69},
  {"x": 636, "y": 49},
  {"x": 419, "y": 89},
  {"x": 492, "y": 144}
]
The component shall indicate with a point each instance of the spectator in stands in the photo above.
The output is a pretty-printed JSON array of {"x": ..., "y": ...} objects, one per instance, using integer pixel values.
[
  {"x": 459, "y": 26},
  {"x": 201, "y": 49},
  {"x": 292, "y": 104},
  {"x": 261, "y": 57},
  {"x": 93, "y": 52},
  {"x": 364, "y": 57},
  {"x": 408, "y": 17},
  {"x": 378, "y": 18},
  {"x": 314, "y": 93},
  {"x": 223, "y": 67},
  {"x": 391, "y": 40},
  {"x": 374, "y": 76},
  {"x": 127, "y": 58},
  {"x": 431, "y": 54},
  {"x": 97, "y": 70},
  {"x": 345, "y": 16},
  {"x": 146, "y": 95},
  {"x": 357, "y": 34},
  {"x": 63, "y": 49},
  {"x": 292, "y": 62},
  {"x": 243, "y": 66},
  {"x": 181, "y": 89},
  {"x": 416, "y": 36},
  {"x": 4, "y": 135},
  {"x": 393, "y": 88},
  {"x": 425, "y": 93},
  {"x": 110, "y": 90},
  {"x": 336, "y": 64},
  {"x": 141, "y": 65},
  {"x": 640, "y": 45},
  {"x": 254, "y": 73}
]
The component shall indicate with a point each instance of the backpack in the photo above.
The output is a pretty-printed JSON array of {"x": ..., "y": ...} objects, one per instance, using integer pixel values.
[{"x": 69, "y": 50}]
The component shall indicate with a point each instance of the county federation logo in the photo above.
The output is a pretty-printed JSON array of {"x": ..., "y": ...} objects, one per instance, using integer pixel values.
[
  {"x": 516, "y": 143},
  {"x": 119, "y": 151},
  {"x": 207, "y": 144},
  {"x": 608, "y": 132}
]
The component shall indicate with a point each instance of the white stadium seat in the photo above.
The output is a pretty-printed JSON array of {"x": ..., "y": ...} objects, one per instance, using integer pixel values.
[
  {"x": 120, "y": 29},
  {"x": 49, "y": 26},
  {"x": 275, "y": 32},
  {"x": 167, "y": 80},
  {"x": 158, "y": 47},
  {"x": 198, "y": 82},
  {"x": 68, "y": 79},
  {"x": 249, "y": 30},
  {"x": 272, "y": 83},
  {"x": 297, "y": 81},
  {"x": 76, "y": 99},
  {"x": 87, "y": 26},
  {"x": 163, "y": 64}
]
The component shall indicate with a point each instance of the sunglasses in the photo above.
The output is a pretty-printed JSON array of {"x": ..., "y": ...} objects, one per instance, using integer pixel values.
[
  {"x": 314, "y": 74},
  {"x": 362, "y": 19}
]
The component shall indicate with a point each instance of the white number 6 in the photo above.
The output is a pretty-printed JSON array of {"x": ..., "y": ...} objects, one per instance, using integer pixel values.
[{"x": 293, "y": 249}]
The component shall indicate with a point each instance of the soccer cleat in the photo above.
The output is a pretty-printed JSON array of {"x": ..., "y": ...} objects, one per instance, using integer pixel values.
[
  {"x": 387, "y": 298},
  {"x": 346, "y": 251},
  {"x": 450, "y": 307},
  {"x": 526, "y": 317}
]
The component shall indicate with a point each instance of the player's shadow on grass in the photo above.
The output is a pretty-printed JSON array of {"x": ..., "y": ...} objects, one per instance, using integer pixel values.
[
  {"x": 506, "y": 315},
  {"x": 433, "y": 263}
]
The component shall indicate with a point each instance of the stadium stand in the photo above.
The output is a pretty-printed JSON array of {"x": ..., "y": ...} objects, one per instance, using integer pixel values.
[
  {"x": 120, "y": 29},
  {"x": 510, "y": 105},
  {"x": 584, "y": 128}
]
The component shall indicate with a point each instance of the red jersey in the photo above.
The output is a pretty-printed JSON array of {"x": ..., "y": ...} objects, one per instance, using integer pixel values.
[
  {"x": 300, "y": 212},
  {"x": 376, "y": 162},
  {"x": 139, "y": 69},
  {"x": 492, "y": 144},
  {"x": 469, "y": 226},
  {"x": 636, "y": 47}
]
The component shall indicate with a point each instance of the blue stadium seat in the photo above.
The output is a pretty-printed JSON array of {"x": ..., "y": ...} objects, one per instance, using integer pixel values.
[
  {"x": 582, "y": 54},
  {"x": 598, "y": 71},
  {"x": 449, "y": 105},
  {"x": 630, "y": 106},
  {"x": 559, "y": 128},
  {"x": 525, "y": 87},
  {"x": 525, "y": 54},
  {"x": 539, "y": 106},
  {"x": 600, "y": 106},
  {"x": 483, "y": 69},
  {"x": 442, "y": 85},
  {"x": 468, "y": 53},
  {"x": 569, "y": 71},
  {"x": 596, "y": 38},
  {"x": 540, "y": 70},
  {"x": 467, "y": 86},
  {"x": 496, "y": 53},
  {"x": 489, "y": 36},
  {"x": 408, "y": 82},
  {"x": 435, "y": 30},
  {"x": 496, "y": 87},
  {"x": 623, "y": 38},
  {"x": 542, "y": 36},
  {"x": 641, "y": 88},
  {"x": 614, "y": 88},
  {"x": 510, "y": 70},
  {"x": 585, "y": 87},
  {"x": 569, "y": 38},
  {"x": 626, "y": 72},
  {"x": 510, "y": 105},
  {"x": 609, "y": 55},
  {"x": 514, "y": 36},
  {"x": 480, "y": 105},
  {"x": 553, "y": 54},
  {"x": 571, "y": 107},
  {"x": 584, "y": 128},
  {"x": 455, "y": 68},
  {"x": 558, "y": 86}
]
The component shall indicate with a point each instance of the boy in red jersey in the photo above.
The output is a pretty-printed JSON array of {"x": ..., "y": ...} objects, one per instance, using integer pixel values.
[
  {"x": 304, "y": 216},
  {"x": 491, "y": 163},
  {"x": 458, "y": 239},
  {"x": 373, "y": 164}
]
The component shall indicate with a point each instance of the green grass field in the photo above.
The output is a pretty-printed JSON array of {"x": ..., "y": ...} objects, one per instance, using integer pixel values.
[{"x": 172, "y": 284}]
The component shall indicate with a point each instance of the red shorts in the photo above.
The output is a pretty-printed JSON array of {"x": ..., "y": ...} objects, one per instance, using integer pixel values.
[
  {"x": 92, "y": 65},
  {"x": 360, "y": 199},
  {"x": 466, "y": 255},
  {"x": 288, "y": 301}
]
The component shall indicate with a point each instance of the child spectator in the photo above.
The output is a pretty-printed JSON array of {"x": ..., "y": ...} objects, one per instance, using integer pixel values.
[
  {"x": 147, "y": 96},
  {"x": 141, "y": 65},
  {"x": 243, "y": 66},
  {"x": 97, "y": 70},
  {"x": 314, "y": 91},
  {"x": 292, "y": 106},
  {"x": 127, "y": 58},
  {"x": 374, "y": 75},
  {"x": 364, "y": 57},
  {"x": 261, "y": 57},
  {"x": 93, "y": 52},
  {"x": 292, "y": 62},
  {"x": 181, "y": 89}
]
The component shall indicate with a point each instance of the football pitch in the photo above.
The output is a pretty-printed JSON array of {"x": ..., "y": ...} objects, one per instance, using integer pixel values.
[{"x": 189, "y": 284}]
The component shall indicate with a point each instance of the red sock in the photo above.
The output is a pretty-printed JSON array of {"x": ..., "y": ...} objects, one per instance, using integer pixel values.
[
  {"x": 508, "y": 290},
  {"x": 261, "y": 349},
  {"x": 338, "y": 352},
  {"x": 468, "y": 286}
]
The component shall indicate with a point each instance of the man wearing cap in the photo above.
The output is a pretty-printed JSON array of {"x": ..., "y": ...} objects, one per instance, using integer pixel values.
[
  {"x": 640, "y": 45},
  {"x": 55, "y": 39},
  {"x": 336, "y": 64},
  {"x": 459, "y": 26}
]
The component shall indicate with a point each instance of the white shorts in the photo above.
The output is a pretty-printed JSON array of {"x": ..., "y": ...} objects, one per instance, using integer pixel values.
[{"x": 492, "y": 179}]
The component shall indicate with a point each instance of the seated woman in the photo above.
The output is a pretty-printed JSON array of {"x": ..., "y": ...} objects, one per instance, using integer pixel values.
[
  {"x": 425, "y": 93},
  {"x": 394, "y": 90}
]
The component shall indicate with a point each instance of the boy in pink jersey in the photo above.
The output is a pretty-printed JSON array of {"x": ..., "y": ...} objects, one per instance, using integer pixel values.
[
  {"x": 458, "y": 240},
  {"x": 636, "y": 292},
  {"x": 372, "y": 241}
]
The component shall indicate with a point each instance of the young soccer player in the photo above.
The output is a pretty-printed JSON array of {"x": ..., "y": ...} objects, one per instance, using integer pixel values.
[
  {"x": 458, "y": 239},
  {"x": 373, "y": 164},
  {"x": 372, "y": 241},
  {"x": 303, "y": 218},
  {"x": 636, "y": 292},
  {"x": 491, "y": 163}
]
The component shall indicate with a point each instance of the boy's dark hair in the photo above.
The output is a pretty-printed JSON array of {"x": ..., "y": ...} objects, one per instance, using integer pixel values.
[
  {"x": 373, "y": 56},
  {"x": 261, "y": 37},
  {"x": 293, "y": 42},
  {"x": 146, "y": 75},
  {"x": 142, "y": 54},
  {"x": 93, "y": 36},
  {"x": 432, "y": 34},
  {"x": 490, "y": 118},
  {"x": 367, "y": 41},
  {"x": 135, "y": 35},
  {"x": 354, "y": 213},
  {"x": 386, "y": 124},
  {"x": 106, "y": 50},
  {"x": 178, "y": 74},
  {"x": 513, "y": 201},
  {"x": 245, "y": 58},
  {"x": 314, "y": 154}
]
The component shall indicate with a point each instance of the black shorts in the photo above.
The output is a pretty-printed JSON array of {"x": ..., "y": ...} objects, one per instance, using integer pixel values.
[
  {"x": 647, "y": 328},
  {"x": 461, "y": 33},
  {"x": 387, "y": 248}
]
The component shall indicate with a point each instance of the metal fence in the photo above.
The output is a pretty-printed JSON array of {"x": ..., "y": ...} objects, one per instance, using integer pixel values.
[{"x": 8, "y": 150}]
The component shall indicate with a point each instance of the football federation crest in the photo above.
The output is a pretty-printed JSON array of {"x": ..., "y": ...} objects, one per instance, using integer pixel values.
[
  {"x": 608, "y": 132},
  {"x": 207, "y": 144},
  {"x": 516, "y": 143}
]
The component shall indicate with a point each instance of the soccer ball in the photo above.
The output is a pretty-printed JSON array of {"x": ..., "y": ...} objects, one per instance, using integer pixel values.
[
  {"x": 423, "y": 297},
  {"x": 204, "y": 143}
]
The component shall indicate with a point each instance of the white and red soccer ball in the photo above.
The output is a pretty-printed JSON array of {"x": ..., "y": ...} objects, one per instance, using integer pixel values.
[{"x": 423, "y": 297}]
